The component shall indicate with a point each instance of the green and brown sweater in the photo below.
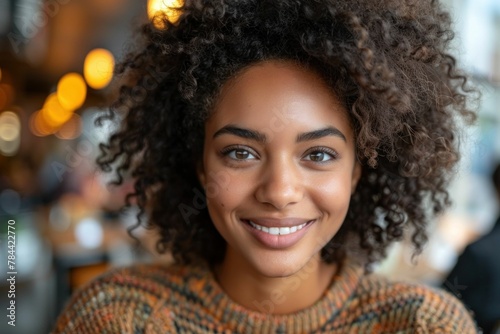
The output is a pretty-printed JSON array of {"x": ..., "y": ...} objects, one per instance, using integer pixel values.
[{"x": 181, "y": 299}]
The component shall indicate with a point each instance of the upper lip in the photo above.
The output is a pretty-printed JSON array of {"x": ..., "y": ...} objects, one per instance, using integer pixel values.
[{"x": 282, "y": 222}]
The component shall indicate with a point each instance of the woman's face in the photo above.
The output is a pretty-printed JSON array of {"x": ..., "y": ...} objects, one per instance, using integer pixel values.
[{"x": 278, "y": 168}]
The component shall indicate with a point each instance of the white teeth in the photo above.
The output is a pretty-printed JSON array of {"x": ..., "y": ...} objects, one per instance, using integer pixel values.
[
  {"x": 277, "y": 230},
  {"x": 274, "y": 230}
]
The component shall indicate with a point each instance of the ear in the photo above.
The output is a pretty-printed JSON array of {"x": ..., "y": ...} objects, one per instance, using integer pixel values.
[{"x": 356, "y": 175}]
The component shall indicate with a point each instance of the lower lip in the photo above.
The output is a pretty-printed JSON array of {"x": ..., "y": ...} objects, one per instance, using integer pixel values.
[{"x": 278, "y": 241}]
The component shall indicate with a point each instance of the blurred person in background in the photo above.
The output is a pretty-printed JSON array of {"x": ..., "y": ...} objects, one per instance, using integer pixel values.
[{"x": 477, "y": 274}]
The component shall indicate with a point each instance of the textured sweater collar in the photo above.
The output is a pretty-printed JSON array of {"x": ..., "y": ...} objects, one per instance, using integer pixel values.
[{"x": 201, "y": 282}]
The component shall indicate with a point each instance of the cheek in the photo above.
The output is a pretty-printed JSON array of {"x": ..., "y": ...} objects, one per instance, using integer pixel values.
[
  {"x": 225, "y": 189},
  {"x": 226, "y": 192},
  {"x": 332, "y": 194}
]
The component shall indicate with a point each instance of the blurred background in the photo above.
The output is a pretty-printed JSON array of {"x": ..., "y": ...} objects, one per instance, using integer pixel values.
[{"x": 56, "y": 63}]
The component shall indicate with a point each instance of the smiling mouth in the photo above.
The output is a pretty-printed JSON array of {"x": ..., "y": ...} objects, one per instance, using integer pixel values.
[{"x": 278, "y": 230}]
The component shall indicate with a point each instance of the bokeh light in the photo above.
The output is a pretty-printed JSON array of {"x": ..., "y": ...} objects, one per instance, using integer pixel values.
[
  {"x": 89, "y": 233},
  {"x": 71, "y": 129},
  {"x": 39, "y": 126},
  {"x": 71, "y": 91},
  {"x": 54, "y": 113},
  {"x": 10, "y": 133},
  {"x": 9, "y": 148},
  {"x": 157, "y": 9},
  {"x": 10, "y": 126},
  {"x": 98, "y": 68}
]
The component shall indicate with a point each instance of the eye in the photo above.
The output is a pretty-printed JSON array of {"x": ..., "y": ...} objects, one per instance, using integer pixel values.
[
  {"x": 238, "y": 154},
  {"x": 320, "y": 154}
]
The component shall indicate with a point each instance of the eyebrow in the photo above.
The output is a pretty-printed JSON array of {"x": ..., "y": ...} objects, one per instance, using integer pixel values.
[
  {"x": 241, "y": 132},
  {"x": 261, "y": 138},
  {"x": 316, "y": 134}
]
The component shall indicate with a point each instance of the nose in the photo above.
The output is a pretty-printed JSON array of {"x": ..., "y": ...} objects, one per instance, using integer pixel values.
[{"x": 281, "y": 184}]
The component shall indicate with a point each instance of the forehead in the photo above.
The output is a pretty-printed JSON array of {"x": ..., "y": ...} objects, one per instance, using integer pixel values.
[{"x": 279, "y": 91}]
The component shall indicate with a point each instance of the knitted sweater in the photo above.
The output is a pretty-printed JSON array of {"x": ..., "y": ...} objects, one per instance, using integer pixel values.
[{"x": 180, "y": 299}]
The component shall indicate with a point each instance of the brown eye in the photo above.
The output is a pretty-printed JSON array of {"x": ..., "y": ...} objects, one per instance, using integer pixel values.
[
  {"x": 317, "y": 156},
  {"x": 241, "y": 154},
  {"x": 320, "y": 155}
]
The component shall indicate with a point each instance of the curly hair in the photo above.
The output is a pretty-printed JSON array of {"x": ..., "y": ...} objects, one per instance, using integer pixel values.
[{"x": 388, "y": 60}]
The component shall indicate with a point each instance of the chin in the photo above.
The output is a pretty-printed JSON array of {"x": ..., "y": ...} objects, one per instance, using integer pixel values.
[
  {"x": 275, "y": 267},
  {"x": 279, "y": 272}
]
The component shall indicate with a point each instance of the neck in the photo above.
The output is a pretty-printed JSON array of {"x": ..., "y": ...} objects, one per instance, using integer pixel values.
[{"x": 275, "y": 295}]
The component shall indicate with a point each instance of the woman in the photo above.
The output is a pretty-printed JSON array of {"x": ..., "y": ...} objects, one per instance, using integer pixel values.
[{"x": 280, "y": 147}]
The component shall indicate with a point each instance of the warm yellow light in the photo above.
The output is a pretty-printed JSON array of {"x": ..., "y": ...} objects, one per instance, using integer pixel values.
[
  {"x": 10, "y": 126},
  {"x": 98, "y": 68},
  {"x": 71, "y": 91},
  {"x": 36, "y": 124},
  {"x": 33, "y": 126},
  {"x": 54, "y": 113},
  {"x": 39, "y": 126},
  {"x": 71, "y": 129},
  {"x": 157, "y": 9}
]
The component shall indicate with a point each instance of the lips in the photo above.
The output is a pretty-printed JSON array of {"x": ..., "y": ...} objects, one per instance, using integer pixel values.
[
  {"x": 275, "y": 230},
  {"x": 274, "y": 222},
  {"x": 277, "y": 233}
]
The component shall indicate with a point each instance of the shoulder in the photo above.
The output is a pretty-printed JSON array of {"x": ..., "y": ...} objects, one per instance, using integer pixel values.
[
  {"x": 481, "y": 254},
  {"x": 486, "y": 243},
  {"x": 418, "y": 306},
  {"x": 121, "y": 300}
]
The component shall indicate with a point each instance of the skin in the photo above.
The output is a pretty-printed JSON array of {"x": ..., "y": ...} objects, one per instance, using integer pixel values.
[{"x": 248, "y": 176}]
